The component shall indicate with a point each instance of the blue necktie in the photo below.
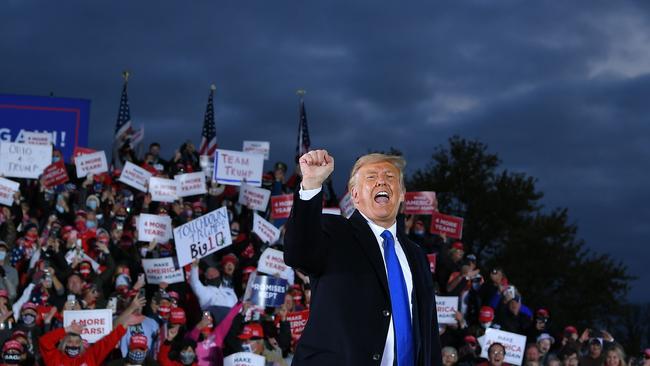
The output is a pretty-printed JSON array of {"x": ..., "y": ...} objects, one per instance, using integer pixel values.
[{"x": 400, "y": 300}]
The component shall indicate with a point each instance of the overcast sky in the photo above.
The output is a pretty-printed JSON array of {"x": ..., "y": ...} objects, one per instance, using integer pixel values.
[{"x": 557, "y": 89}]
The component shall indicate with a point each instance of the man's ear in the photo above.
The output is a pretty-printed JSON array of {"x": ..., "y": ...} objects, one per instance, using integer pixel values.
[{"x": 354, "y": 194}]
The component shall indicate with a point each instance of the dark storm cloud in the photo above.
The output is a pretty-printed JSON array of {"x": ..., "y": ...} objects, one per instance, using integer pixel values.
[{"x": 557, "y": 89}]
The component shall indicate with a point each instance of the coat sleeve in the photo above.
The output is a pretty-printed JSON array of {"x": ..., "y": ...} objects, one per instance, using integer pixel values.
[
  {"x": 305, "y": 241},
  {"x": 104, "y": 346},
  {"x": 47, "y": 344},
  {"x": 221, "y": 330}
]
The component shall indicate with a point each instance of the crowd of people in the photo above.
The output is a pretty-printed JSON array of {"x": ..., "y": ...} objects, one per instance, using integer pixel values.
[{"x": 75, "y": 247}]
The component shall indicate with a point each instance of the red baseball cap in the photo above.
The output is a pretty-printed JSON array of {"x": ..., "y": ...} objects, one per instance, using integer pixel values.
[
  {"x": 18, "y": 333},
  {"x": 29, "y": 306},
  {"x": 229, "y": 258},
  {"x": 486, "y": 314},
  {"x": 13, "y": 344},
  {"x": 177, "y": 316},
  {"x": 458, "y": 245},
  {"x": 470, "y": 339},
  {"x": 542, "y": 313},
  {"x": 4, "y": 293},
  {"x": 249, "y": 269},
  {"x": 252, "y": 331},
  {"x": 570, "y": 329},
  {"x": 138, "y": 341}
]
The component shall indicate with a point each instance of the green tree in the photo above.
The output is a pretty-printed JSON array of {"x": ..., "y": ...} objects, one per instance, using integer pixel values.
[{"x": 506, "y": 225}]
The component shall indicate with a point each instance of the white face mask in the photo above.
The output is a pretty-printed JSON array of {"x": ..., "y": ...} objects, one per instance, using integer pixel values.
[{"x": 246, "y": 347}]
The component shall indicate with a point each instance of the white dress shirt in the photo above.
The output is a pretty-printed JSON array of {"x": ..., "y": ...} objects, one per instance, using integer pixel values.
[{"x": 388, "y": 355}]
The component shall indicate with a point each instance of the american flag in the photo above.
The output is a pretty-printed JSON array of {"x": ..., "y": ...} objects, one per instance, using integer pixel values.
[
  {"x": 123, "y": 124},
  {"x": 209, "y": 133},
  {"x": 302, "y": 147}
]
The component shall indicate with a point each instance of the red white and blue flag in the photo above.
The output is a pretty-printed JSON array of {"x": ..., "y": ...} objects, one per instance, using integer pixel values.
[
  {"x": 302, "y": 147},
  {"x": 209, "y": 133}
]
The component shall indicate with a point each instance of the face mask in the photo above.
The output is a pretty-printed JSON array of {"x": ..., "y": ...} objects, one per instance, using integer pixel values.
[
  {"x": 28, "y": 319},
  {"x": 246, "y": 347},
  {"x": 234, "y": 233},
  {"x": 56, "y": 159},
  {"x": 60, "y": 209},
  {"x": 136, "y": 357},
  {"x": 91, "y": 224},
  {"x": 187, "y": 358},
  {"x": 3, "y": 254},
  {"x": 72, "y": 351},
  {"x": 419, "y": 232},
  {"x": 92, "y": 205},
  {"x": 11, "y": 358},
  {"x": 486, "y": 325},
  {"x": 212, "y": 282},
  {"x": 120, "y": 218}
]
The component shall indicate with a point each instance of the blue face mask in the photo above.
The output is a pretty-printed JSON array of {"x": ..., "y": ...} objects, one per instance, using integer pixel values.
[
  {"x": 56, "y": 158},
  {"x": 136, "y": 357},
  {"x": 91, "y": 224},
  {"x": 3, "y": 255},
  {"x": 92, "y": 205},
  {"x": 60, "y": 209}
]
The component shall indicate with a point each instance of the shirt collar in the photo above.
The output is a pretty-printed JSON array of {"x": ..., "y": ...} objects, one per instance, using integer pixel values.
[{"x": 377, "y": 230}]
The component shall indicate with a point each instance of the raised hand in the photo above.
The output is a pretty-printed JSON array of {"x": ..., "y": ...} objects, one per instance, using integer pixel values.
[{"x": 315, "y": 166}]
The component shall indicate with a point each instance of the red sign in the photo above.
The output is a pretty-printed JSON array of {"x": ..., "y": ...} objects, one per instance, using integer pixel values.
[
  {"x": 55, "y": 174},
  {"x": 450, "y": 226},
  {"x": 433, "y": 259},
  {"x": 420, "y": 203},
  {"x": 297, "y": 322},
  {"x": 281, "y": 206}
]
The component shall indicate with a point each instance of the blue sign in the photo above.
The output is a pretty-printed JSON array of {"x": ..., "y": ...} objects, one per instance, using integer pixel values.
[
  {"x": 265, "y": 291},
  {"x": 65, "y": 119}
]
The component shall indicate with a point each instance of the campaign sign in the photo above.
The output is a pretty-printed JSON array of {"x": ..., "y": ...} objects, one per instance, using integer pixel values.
[
  {"x": 98, "y": 323},
  {"x": 281, "y": 206},
  {"x": 162, "y": 270},
  {"x": 257, "y": 147},
  {"x": 297, "y": 321},
  {"x": 235, "y": 167},
  {"x": 163, "y": 190},
  {"x": 266, "y": 291},
  {"x": 202, "y": 236},
  {"x": 420, "y": 203},
  {"x": 93, "y": 163},
  {"x": 134, "y": 176},
  {"x": 64, "y": 119},
  {"x": 7, "y": 190},
  {"x": 190, "y": 184},
  {"x": 37, "y": 138},
  {"x": 244, "y": 359},
  {"x": 55, "y": 174},
  {"x": 272, "y": 262},
  {"x": 23, "y": 160},
  {"x": 265, "y": 230},
  {"x": 433, "y": 259},
  {"x": 515, "y": 344},
  {"x": 446, "y": 306},
  {"x": 158, "y": 227},
  {"x": 450, "y": 226},
  {"x": 254, "y": 198},
  {"x": 78, "y": 151},
  {"x": 346, "y": 205}
]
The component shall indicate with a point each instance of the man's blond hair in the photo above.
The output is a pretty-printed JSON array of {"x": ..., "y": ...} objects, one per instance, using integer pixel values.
[{"x": 396, "y": 160}]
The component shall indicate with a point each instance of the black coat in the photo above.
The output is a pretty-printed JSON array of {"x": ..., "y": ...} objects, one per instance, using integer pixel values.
[{"x": 350, "y": 303}]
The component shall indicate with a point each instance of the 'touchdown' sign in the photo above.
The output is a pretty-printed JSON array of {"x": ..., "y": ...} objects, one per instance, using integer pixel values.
[{"x": 202, "y": 236}]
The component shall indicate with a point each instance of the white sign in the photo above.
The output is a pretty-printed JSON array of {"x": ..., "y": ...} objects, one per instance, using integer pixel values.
[
  {"x": 202, "y": 236},
  {"x": 7, "y": 190},
  {"x": 515, "y": 344},
  {"x": 346, "y": 204},
  {"x": 257, "y": 147},
  {"x": 191, "y": 184},
  {"x": 163, "y": 190},
  {"x": 235, "y": 167},
  {"x": 94, "y": 163},
  {"x": 244, "y": 359},
  {"x": 446, "y": 307},
  {"x": 23, "y": 160},
  {"x": 265, "y": 230},
  {"x": 134, "y": 176},
  {"x": 152, "y": 227},
  {"x": 98, "y": 323},
  {"x": 37, "y": 138},
  {"x": 272, "y": 262},
  {"x": 162, "y": 270},
  {"x": 254, "y": 198}
]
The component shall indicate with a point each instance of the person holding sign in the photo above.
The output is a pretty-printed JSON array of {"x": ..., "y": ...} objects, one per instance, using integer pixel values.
[
  {"x": 71, "y": 350},
  {"x": 394, "y": 319}
]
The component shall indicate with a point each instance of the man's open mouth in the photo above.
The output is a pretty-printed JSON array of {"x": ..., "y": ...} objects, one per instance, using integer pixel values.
[{"x": 382, "y": 197}]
